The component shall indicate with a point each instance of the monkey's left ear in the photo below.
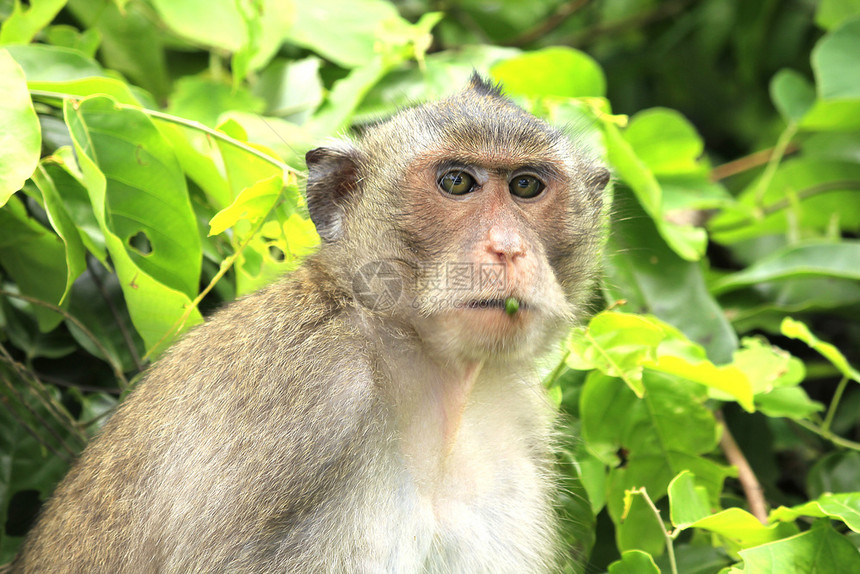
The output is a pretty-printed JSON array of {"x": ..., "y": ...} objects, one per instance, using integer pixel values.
[
  {"x": 598, "y": 178},
  {"x": 332, "y": 183}
]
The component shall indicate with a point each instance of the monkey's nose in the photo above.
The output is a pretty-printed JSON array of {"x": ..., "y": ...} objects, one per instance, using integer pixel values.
[{"x": 505, "y": 244}]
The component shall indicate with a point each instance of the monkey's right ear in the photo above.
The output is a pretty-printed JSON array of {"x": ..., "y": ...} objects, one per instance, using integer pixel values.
[{"x": 332, "y": 182}]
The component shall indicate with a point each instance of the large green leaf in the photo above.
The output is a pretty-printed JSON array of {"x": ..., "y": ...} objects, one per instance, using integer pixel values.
[
  {"x": 821, "y": 550},
  {"x": 665, "y": 141},
  {"x": 345, "y": 32},
  {"x": 657, "y": 436},
  {"x": 840, "y": 260},
  {"x": 20, "y": 136},
  {"x": 835, "y": 60},
  {"x": 557, "y": 71},
  {"x": 139, "y": 197},
  {"x": 255, "y": 29}
]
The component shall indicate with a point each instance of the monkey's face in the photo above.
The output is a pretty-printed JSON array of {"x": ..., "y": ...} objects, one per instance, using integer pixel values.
[
  {"x": 502, "y": 244},
  {"x": 489, "y": 218}
]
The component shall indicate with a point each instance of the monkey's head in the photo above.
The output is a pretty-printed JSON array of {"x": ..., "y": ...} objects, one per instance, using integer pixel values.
[{"x": 468, "y": 219}]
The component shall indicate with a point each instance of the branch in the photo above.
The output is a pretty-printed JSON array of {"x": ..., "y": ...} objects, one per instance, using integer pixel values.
[
  {"x": 555, "y": 20},
  {"x": 748, "y": 162},
  {"x": 752, "y": 489}
]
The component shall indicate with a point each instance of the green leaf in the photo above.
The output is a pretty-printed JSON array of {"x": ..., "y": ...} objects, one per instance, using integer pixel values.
[
  {"x": 640, "y": 528},
  {"x": 292, "y": 89},
  {"x": 634, "y": 562},
  {"x": 132, "y": 42},
  {"x": 633, "y": 170},
  {"x": 789, "y": 402},
  {"x": 792, "y": 94},
  {"x": 25, "y": 22},
  {"x": 65, "y": 175},
  {"x": 35, "y": 258},
  {"x": 725, "y": 378},
  {"x": 119, "y": 91},
  {"x": 205, "y": 100},
  {"x": 821, "y": 550},
  {"x": 687, "y": 502},
  {"x": 346, "y": 95},
  {"x": 659, "y": 435},
  {"x": 61, "y": 221},
  {"x": 843, "y": 506},
  {"x": 130, "y": 170},
  {"x": 617, "y": 344},
  {"x": 86, "y": 41},
  {"x": 557, "y": 71},
  {"x": 834, "y": 61},
  {"x": 835, "y": 472},
  {"x": 24, "y": 462},
  {"x": 254, "y": 203},
  {"x": 665, "y": 141},
  {"x": 43, "y": 63},
  {"x": 742, "y": 528},
  {"x": 346, "y": 33},
  {"x": 809, "y": 195},
  {"x": 767, "y": 367},
  {"x": 825, "y": 259},
  {"x": 20, "y": 134},
  {"x": 797, "y": 330},
  {"x": 831, "y": 13},
  {"x": 687, "y": 241}
]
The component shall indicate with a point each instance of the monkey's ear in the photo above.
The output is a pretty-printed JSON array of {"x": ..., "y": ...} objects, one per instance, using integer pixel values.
[
  {"x": 332, "y": 181},
  {"x": 599, "y": 178}
]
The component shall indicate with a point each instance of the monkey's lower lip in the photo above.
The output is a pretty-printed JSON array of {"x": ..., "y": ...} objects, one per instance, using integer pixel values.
[{"x": 492, "y": 304}]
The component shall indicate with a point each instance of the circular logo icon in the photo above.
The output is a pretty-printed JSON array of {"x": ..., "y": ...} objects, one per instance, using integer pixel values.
[{"x": 378, "y": 285}]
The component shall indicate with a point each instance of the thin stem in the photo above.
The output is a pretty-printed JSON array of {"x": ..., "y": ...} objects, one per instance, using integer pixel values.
[
  {"x": 834, "y": 404},
  {"x": 670, "y": 547},
  {"x": 182, "y": 122},
  {"x": 749, "y": 482},
  {"x": 828, "y": 435},
  {"x": 779, "y": 152},
  {"x": 784, "y": 203},
  {"x": 747, "y": 163},
  {"x": 550, "y": 380}
]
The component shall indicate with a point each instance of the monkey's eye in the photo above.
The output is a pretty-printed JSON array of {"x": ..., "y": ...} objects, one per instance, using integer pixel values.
[
  {"x": 526, "y": 186},
  {"x": 457, "y": 182}
]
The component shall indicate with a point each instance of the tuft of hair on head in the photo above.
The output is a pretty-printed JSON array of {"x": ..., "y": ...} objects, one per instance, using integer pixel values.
[{"x": 484, "y": 87}]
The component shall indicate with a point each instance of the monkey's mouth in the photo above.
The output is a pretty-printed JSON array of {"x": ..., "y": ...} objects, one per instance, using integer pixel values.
[{"x": 500, "y": 304}]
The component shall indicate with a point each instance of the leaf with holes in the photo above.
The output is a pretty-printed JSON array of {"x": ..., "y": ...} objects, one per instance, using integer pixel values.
[{"x": 140, "y": 200}]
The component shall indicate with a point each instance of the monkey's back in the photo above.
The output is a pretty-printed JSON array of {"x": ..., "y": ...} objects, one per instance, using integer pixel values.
[{"x": 206, "y": 461}]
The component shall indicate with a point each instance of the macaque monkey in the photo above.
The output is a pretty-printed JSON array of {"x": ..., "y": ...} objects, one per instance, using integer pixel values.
[{"x": 378, "y": 409}]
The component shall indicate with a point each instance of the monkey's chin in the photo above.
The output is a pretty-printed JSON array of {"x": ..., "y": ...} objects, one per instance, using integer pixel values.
[{"x": 487, "y": 331}]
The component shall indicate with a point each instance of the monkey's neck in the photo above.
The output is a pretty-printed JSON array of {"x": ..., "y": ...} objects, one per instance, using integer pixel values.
[{"x": 453, "y": 395}]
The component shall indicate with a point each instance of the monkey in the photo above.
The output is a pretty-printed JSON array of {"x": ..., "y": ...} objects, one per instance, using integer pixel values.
[{"x": 378, "y": 409}]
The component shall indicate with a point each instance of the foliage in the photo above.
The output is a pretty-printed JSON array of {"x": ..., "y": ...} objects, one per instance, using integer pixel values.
[{"x": 150, "y": 154}]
